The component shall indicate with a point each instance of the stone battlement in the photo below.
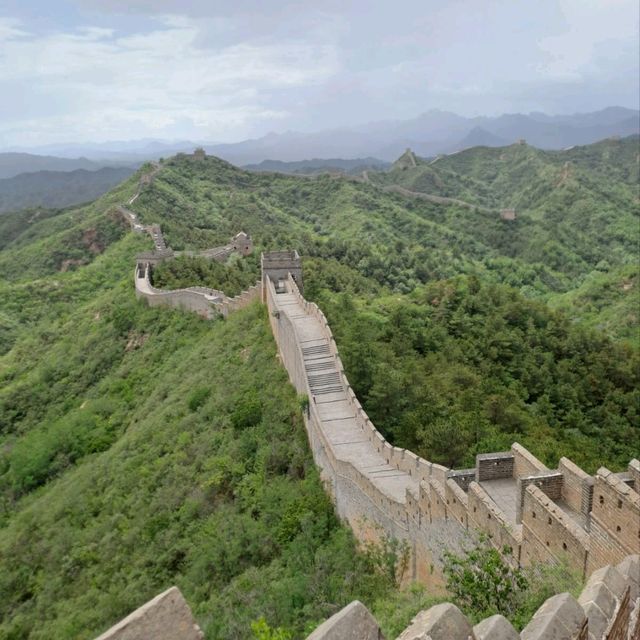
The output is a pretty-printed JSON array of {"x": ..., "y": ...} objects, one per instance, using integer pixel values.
[{"x": 607, "y": 609}]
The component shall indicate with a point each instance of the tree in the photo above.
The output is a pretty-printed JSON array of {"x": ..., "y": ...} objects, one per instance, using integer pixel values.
[{"x": 482, "y": 582}]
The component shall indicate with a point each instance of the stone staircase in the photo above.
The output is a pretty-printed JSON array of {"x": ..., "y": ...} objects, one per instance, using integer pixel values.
[{"x": 339, "y": 423}]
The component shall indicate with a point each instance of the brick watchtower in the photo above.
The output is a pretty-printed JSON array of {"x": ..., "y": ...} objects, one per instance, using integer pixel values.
[{"x": 277, "y": 265}]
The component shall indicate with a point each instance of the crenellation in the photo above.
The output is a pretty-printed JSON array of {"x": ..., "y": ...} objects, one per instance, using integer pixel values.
[
  {"x": 462, "y": 477},
  {"x": 549, "y": 534},
  {"x": 437, "y": 500},
  {"x": 525, "y": 463},
  {"x": 492, "y": 466},
  {"x": 550, "y": 483},
  {"x": 577, "y": 489},
  {"x": 457, "y": 503}
]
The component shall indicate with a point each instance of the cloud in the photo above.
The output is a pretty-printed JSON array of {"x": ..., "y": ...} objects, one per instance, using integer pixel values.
[
  {"x": 109, "y": 84},
  {"x": 229, "y": 69}
]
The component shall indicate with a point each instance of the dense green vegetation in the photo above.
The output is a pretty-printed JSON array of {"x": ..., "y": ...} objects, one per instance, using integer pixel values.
[
  {"x": 459, "y": 368},
  {"x": 232, "y": 278},
  {"x": 145, "y": 447},
  {"x": 483, "y": 583},
  {"x": 577, "y": 210},
  {"x": 58, "y": 188}
]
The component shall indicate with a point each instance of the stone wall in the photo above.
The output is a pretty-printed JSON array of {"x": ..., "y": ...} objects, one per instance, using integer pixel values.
[
  {"x": 549, "y": 534},
  {"x": 492, "y": 466},
  {"x": 550, "y": 515},
  {"x": 615, "y": 520},
  {"x": 455, "y": 501},
  {"x": 577, "y": 488},
  {"x": 207, "y": 303}
]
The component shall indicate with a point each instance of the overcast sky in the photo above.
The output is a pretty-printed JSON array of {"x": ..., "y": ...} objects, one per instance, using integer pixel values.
[{"x": 224, "y": 70}]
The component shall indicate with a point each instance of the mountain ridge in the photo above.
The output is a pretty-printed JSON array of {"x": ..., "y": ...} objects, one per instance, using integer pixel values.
[{"x": 430, "y": 133}]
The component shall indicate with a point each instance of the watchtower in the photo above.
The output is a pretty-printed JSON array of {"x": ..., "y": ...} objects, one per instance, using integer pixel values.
[
  {"x": 277, "y": 265},
  {"x": 242, "y": 242}
]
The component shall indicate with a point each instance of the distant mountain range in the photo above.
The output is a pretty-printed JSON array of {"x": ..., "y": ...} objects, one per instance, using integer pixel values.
[
  {"x": 355, "y": 165},
  {"x": 432, "y": 133},
  {"x": 57, "y": 189},
  {"x": 13, "y": 164}
]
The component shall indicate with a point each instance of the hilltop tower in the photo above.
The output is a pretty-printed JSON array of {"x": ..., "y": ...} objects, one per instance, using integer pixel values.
[
  {"x": 242, "y": 243},
  {"x": 406, "y": 161},
  {"x": 277, "y": 265}
]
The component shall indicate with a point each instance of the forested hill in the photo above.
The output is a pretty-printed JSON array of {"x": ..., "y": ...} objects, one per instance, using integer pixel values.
[
  {"x": 576, "y": 212},
  {"x": 142, "y": 447},
  {"x": 58, "y": 188}
]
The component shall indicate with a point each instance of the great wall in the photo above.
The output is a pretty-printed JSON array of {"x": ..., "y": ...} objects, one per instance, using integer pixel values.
[{"x": 563, "y": 515}]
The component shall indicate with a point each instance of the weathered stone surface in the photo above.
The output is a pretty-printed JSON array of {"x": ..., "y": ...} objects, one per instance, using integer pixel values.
[
  {"x": 630, "y": 569},
  {"x": 559, "y": 618},
  {"x": 495, "y": 628},
  {"x": 612, "y": 578},
  {"x": 166, "y": 617},
  {"x": 598, "y": 619},
  {"x": 354, "y": 622},
  {"x": 442, "y": 622},
  {"x": 598, "y": 594}
]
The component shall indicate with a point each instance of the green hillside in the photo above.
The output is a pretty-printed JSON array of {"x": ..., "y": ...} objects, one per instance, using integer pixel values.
[
  {"x": 577, "y": 210},
  {"x": 145, "y": 447}
]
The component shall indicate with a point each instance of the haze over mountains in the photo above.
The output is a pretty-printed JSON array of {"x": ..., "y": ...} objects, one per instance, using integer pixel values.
[
  {"x": 434, "y": 132},
  {"x": 28, "y": 179},
  {"x": 57, "y": 189},
  {"x": 13, "y": 164}
]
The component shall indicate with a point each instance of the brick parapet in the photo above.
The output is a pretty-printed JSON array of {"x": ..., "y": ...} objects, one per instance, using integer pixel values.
[
  {"x": 549, "y": 534},
  {"x": 462, "y": 477},
  {"x": 493, "y": 466},
  {"x": 525, "y": 463},
  {"x": 615, "y": 519},
  {"x": 577, "y": 488},
  {"x": 485, "y": 516},
  {"x": 549, "y": 482}
]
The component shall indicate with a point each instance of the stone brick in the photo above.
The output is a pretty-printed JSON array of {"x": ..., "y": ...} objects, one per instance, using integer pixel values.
[
  {"x": 495, "y": 628},
  {"x": 599, "y": 604},
  {"x": 629, "y": 568},
  {"x": 354, "y": 622},
  {"x": 612, "y": 578},
  {"x": 442, "y": 622},
  {"x": 492, "y": 466},
  {"x": 166, "y": 617},
  {"x": 559, "y": 618},
  {"x": 524, "y": 462}
]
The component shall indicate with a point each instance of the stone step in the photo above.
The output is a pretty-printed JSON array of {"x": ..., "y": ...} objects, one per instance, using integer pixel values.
[
  {"x": 323, "y": 390},
  {"x": 315, "y": 350},
  {"x": 319, "y": 366}
]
